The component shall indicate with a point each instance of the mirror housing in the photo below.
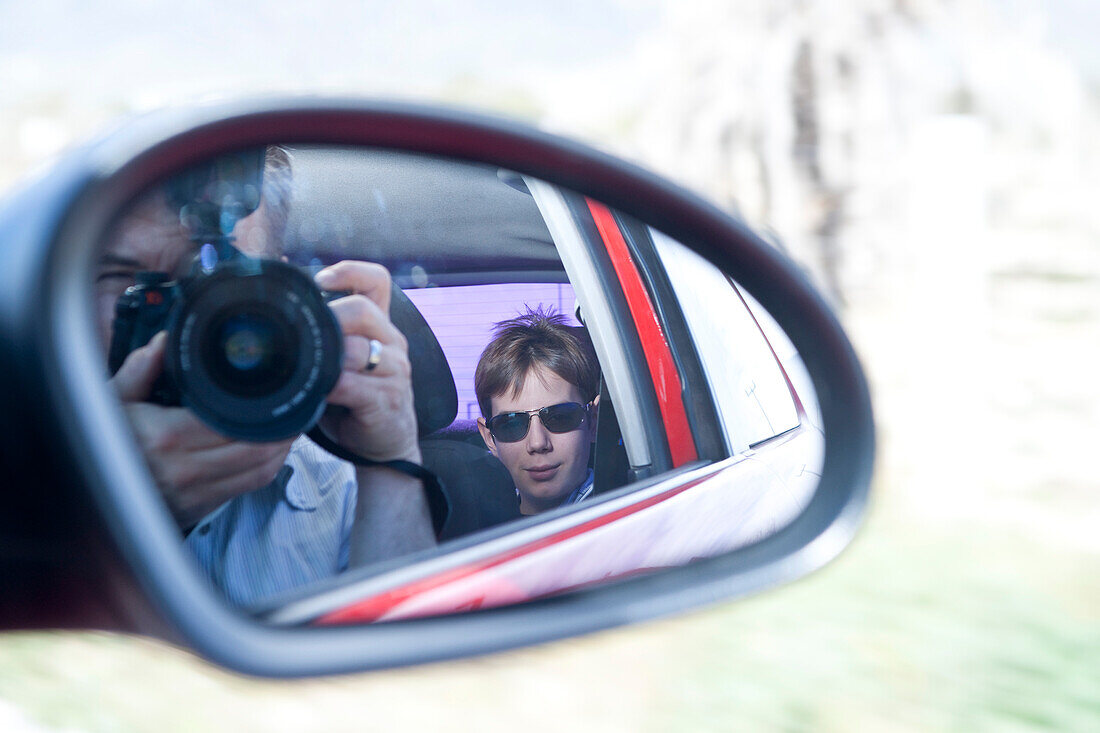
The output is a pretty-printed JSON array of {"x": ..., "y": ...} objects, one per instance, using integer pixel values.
[{"x": 89, "y": 544}]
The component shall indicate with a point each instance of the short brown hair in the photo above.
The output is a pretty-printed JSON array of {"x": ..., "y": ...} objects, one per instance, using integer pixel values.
[
  {"x": 278, "y": 189},
  {"x": 535, "y": 339},
  {"x": 268, "y": 238}
]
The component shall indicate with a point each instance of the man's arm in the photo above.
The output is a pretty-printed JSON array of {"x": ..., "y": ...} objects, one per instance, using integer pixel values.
[
  {"x": 378, "y": 421},
  {"x": 391, "y": 516}
]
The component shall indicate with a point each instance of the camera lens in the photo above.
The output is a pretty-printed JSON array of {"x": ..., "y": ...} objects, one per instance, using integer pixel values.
[
  {"x": 254, "y": 349},
  {"x": 250, "y": 353},
  {"x": 246, "y": 344}
]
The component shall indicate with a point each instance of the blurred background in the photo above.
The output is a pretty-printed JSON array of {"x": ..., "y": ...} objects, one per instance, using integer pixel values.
[{"x": 934, "y": 165}]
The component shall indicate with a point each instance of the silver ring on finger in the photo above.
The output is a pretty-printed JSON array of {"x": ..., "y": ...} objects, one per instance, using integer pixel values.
[{"x": 375, "y": 356}]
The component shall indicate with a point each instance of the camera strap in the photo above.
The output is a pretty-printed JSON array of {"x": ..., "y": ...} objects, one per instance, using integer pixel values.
[{"x": 438, "y": 505}]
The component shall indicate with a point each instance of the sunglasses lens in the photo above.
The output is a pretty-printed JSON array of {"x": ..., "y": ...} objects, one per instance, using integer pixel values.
[
  {"x": 510, "y": 427},
  {"x": 562, "y": 418}
]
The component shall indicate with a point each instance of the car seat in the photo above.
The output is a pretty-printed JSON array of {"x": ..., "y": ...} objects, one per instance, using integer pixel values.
[{"x": 478, "y": 489}]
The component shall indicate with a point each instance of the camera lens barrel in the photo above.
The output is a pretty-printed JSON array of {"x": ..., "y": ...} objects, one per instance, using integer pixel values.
[{"x": 254, "y": 349}]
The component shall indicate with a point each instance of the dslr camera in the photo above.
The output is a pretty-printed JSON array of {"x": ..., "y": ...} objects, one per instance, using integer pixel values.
[{"x": 253, "y": 348}]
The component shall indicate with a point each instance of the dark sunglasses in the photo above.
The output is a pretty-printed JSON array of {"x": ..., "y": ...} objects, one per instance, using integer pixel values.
[{"x": 508, "y": 427}]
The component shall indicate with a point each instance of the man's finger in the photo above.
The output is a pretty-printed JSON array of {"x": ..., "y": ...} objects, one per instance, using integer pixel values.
[
  {"x": 134, "y": 379},
  {"x": 219, "y": 465},
  {"x": 171, "y": 429},
  {"x": 358, "y": 352},
  {"x": 385, "y": 393},
  {"x": 192, "y": 501},
  {"x": 366, "y": 278},
  {"x": 360, "y": 316}
]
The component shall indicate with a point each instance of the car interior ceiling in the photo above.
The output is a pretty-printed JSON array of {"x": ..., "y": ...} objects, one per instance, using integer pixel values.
[
  {"x": 479, "y": 494},
  {"x": 450, "y": 219}
]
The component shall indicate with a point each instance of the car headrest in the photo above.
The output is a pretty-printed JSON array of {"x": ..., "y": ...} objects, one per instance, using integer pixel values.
[{"x": 434, "y": 392}]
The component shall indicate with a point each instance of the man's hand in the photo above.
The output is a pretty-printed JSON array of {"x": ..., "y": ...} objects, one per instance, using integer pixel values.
[
  {"x": 379, "y": 421},
  {"x": 196, "y": 468}
]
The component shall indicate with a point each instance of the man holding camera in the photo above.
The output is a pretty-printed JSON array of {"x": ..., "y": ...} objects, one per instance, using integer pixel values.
[{"x": 264, "y": 518}]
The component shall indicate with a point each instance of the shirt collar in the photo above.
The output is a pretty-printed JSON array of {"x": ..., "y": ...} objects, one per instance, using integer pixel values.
[
  {"x": 581, "y": 492},
  {"x": 299, "y": 494}
]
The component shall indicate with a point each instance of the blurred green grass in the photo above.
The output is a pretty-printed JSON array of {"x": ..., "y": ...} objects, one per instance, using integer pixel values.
[{"x": 918, "y": 626}]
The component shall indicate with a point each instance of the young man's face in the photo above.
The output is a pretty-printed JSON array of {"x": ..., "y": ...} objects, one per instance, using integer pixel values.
[{"x": 546, "y": 467}]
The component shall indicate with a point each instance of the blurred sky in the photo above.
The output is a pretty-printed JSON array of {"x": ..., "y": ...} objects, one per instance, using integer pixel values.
[
  {"x": 73, "y": 47},
  {"x": 133, "y": 54},
  {"x": 140, "y": 48}
]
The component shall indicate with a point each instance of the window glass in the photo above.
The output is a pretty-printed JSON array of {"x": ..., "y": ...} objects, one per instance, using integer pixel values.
[
  {"x": 753, "y": 400},
  {"x": 790, "y": 359},
  {"x": 462, "y": 318}
]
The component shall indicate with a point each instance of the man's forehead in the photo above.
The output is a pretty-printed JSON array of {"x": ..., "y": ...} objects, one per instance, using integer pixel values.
[{"x": 148, "y": 234}]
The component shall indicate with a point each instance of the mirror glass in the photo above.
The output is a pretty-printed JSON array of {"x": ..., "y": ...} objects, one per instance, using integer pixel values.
[{"x": 297, "y": 333}]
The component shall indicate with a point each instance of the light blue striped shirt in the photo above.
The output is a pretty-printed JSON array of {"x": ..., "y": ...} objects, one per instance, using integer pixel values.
[{"x": 291, "y": 532}]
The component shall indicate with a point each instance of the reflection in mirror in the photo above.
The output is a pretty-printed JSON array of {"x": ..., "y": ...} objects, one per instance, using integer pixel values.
[{"x": 374, "y": 385}]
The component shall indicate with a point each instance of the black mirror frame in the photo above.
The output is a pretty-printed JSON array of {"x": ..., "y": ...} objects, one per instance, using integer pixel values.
[{"x": 92, "y": 184}]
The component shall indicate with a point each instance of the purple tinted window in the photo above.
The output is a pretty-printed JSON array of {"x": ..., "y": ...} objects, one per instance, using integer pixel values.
[{"x": 463, "y": 318}]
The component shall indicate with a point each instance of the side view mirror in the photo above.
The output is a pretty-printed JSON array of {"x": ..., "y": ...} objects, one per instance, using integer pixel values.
[{"x": 693, "y": 424}]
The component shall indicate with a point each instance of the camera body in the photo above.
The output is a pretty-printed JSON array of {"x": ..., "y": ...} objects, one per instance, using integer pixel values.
[{"x": 252, "y": 347}]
